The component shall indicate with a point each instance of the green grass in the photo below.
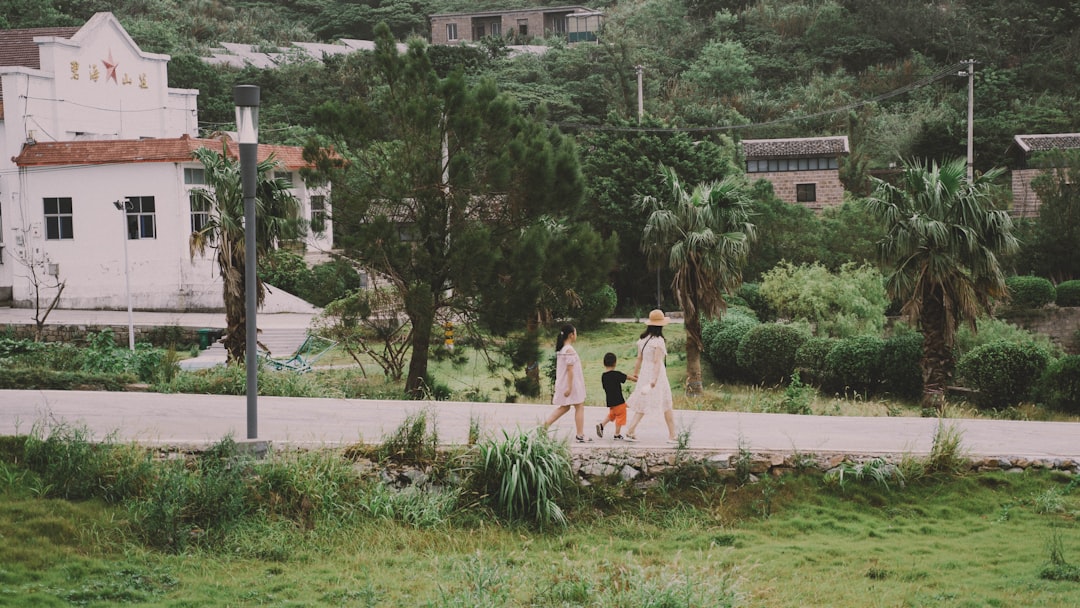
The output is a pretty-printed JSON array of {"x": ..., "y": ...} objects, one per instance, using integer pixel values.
[
  {"x": 314, "y": 538},
  {"x": 975, "y": 541}
]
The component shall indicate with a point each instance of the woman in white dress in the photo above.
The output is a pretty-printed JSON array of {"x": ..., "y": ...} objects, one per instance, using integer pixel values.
[
  {"x": 653, "y": 391},
  {"x": 569, "y": 383}
]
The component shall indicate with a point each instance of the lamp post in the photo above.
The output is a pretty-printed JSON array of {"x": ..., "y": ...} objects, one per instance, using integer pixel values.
[
  {"x": 246, "y": 98},
  {"x": 123, "y": 208}
]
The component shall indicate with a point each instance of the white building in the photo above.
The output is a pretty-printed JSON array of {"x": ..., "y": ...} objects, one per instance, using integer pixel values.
[{"x": 87, "y": 119}]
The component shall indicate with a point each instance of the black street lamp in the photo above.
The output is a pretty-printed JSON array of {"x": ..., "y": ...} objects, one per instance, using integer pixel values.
[{"x": 246, "y": 98}]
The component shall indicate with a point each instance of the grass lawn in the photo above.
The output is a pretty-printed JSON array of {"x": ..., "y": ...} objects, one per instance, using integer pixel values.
[{"x": 981, "y": 540}]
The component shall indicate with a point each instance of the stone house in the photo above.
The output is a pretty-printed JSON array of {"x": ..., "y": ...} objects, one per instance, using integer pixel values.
[
  {"x": 1025, "y": 201},
  {"x": 575, "y": 23},
  {"x": 803, "y": 171},
  {"x": 96, "y": 168}
]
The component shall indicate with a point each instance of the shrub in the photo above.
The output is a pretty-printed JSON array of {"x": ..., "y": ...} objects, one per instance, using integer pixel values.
[
  {"x": 721, "y": 340},
  {"x": 767, "y": 352},
  {"x": 810, "y": 360},
  {"x": 596, "y": 307},
  {"x": 1060, "y": 385},
  {"x": 45, "y": 379},
  {"x": 1003, "y": 373},
  {"x": 1029, "y": 291},
  {"x": 900, "y": 370},
  {"x": 993, "y": 330},
  {"x": 856, "y": 364},
  {"x": 840, "y": 305},
  {"x": 750, "y": 293},
  {"x": 1068, "y": 293}
]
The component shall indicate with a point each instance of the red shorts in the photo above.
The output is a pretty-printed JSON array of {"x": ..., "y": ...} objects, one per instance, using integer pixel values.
[{"x": 618, "y": 414}]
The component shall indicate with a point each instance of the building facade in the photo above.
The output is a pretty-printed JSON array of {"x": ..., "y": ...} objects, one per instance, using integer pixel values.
[
  {"x": 802, "y": 171},
  {"x": 1026, "y": 202},
  {"x": 96, "y": 167},
  {"x": 575, "y": 23}
]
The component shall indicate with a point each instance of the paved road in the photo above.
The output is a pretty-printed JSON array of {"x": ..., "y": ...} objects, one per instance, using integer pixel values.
[
  {"x": 155, "y": 418},
  {"x": 182, "y": 419}
]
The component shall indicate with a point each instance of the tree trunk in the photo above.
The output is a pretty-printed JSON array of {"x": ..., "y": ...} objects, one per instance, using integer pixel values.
[
  {"x": 693, "y": 356},
  {"x": 937, "y": 361},
  {"x": 419, "y": 304},
  {"x": 416, "y": 383},
  {"x": 232, "y": 278}
]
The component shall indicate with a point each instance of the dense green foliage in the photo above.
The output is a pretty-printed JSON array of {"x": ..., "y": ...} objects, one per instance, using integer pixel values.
[
  {"x": 1030, "y": 292},
  {"x": 1050, "y": 251},
  {"x": 900, "y": 365},
  {"x": 721, "y": 340},
  {"x": 767, "y": 352},
  {"x": 1002, "y": 373},
  {"x": 1068, "y": 293},
  {"x": 847, "y": 303},
  {"x": 855, "y": 364},
  {"x": 1060, "y": 386}
]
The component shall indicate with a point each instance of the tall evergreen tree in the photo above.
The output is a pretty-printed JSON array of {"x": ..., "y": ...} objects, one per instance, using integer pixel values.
[{"x": 442, "y": 179}]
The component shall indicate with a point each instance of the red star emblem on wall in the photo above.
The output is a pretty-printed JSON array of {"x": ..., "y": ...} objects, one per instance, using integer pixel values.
[{"x": 110, "y": 68}]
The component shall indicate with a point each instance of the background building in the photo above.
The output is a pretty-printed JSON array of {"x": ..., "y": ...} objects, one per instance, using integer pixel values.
[
  {"x": 87, "y": 119},
  {"x": 804, "y": 171}
]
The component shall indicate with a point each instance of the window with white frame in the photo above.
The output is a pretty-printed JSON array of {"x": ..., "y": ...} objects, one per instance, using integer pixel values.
[
  {"x": 451, "y": 31},
  {"x": 318, "y": 213},
  {"x": 140, "y": 217},
  {"x": 286, "y": 176},
  {"x": 59, "y": 220},
  {"x": 194, "y": 177},
  {"x": 496, "y": 29},
  {"x": 200, "y": 210}
]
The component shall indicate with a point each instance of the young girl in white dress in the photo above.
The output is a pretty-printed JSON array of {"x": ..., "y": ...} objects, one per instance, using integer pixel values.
[
  {"x": 652, "y": 392},
  {"x": 569, "y": 383}
]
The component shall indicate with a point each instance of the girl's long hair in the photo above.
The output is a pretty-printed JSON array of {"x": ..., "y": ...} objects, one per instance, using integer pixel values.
[
  {"x": 563, "y": 334},
  {"x": 655, "y": 331}
]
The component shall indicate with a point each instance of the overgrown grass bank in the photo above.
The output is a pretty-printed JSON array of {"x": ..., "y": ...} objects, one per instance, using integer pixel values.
[{"x": 100, "y": 524}]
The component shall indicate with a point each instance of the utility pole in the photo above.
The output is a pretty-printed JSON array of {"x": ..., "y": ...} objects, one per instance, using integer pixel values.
[
  {"x": 640, "y": 97},
  {"x": 970, "y": 73}
]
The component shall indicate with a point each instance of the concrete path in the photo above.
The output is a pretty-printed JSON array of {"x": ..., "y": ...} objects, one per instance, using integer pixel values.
[
  {"x": 171, "y": 419},
  {"x": 199, "y": 419}
]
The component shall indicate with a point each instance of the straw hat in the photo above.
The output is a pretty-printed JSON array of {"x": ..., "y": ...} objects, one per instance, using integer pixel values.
[{"x": 656, "y": 317}]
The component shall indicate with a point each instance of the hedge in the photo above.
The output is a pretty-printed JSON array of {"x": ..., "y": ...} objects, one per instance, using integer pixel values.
[
  {"x": 1060, "y": 385},
  {"x": 855, "y": 364},
  {"x": 900, "y": 370},
  {"x": 1029, "y": 291},
  {"x": 721, "y": 340},
  {"x": 1002, "y": 373},
  {"x": 767, "y": 352},
  {"x": 1068, "y": 293},
  {"x": 810, "y": 360}
]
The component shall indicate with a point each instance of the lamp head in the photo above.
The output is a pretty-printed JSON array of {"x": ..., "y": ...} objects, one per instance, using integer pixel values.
[{"x": 246, "y": 98}]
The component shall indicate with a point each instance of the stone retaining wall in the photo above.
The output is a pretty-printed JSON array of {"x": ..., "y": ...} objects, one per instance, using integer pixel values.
[
  {"x": 163, "y": 336},
  {"x": 639, "y": 465},
  {"x": 631, "y": 464}
]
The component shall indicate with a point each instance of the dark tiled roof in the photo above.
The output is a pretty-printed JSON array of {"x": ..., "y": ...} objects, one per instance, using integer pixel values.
[
  {"x": 17, "y": 47},
  {"x": 515, "y": 11},
  {"x": 1050, "y": 141},
  {"x": 794, "y": 148},
  {"x": 117, "y": 151}
]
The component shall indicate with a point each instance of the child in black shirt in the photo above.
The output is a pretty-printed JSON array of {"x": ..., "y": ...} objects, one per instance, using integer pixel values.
[{"x": 612, "y": 381}]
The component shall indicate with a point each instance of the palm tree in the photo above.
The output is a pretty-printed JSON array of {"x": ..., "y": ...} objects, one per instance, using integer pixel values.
[
  {"x": 703, "y": 237},
  {"x": 942, "y": 241},
  {"x": 278, "y": 218}
]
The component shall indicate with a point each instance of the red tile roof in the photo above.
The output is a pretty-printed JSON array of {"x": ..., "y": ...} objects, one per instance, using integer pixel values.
[
  {"x": 17, "y": 47},
  {"x": 119, "y": 151}
]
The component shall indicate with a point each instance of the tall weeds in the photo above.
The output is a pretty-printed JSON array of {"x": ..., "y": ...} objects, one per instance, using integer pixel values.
[{"x": 522, "y": 476}]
